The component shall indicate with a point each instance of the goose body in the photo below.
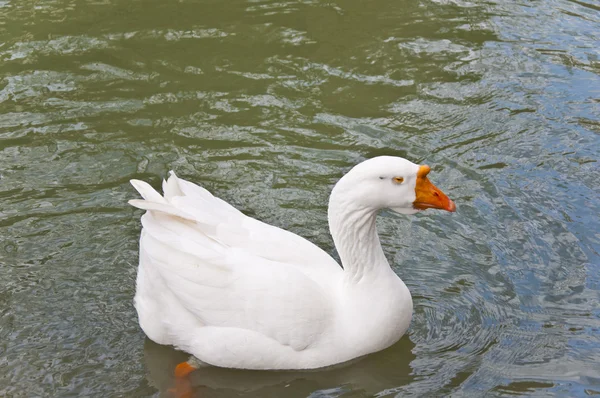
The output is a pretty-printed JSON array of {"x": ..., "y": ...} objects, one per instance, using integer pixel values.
[{"x": 236, "y": 292}]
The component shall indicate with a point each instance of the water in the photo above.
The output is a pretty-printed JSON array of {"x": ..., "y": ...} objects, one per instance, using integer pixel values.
[{"x": 267, "y": 104}]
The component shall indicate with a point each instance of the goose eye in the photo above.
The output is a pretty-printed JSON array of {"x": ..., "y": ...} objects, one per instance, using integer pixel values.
[{"x": 398, "y": 180}]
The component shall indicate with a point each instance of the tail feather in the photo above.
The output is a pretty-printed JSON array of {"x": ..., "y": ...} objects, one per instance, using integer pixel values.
[
  {"x": 161, "y": 207},
  {"x": 171, "y": 187},
  {"x": 188, "y": 201},
  {"x": 147, "y": 192},
  {"x": 190, "y": 189}
]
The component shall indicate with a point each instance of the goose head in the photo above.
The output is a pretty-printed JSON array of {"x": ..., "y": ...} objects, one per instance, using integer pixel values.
[{"x": 389, "y": 182}]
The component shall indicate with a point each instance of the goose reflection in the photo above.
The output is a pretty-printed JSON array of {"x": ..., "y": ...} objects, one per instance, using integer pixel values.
[{"x": 367, "y": 376}]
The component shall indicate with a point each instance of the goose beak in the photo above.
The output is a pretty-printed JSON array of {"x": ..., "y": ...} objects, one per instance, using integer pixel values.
[{"x": 428, "y": 195}]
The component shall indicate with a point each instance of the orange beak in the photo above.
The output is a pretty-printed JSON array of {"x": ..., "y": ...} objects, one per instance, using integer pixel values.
[{"x": 428, "y": 195}]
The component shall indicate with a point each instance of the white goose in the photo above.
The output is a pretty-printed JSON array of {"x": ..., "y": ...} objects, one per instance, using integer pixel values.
[{"x": 236, "y": 292}]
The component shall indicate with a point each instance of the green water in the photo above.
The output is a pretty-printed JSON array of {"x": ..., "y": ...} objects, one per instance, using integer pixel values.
[{"x": 267, "y": 104}]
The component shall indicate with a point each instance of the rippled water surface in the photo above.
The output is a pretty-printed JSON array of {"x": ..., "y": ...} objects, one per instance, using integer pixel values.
[{"x": 267, "y": 104}]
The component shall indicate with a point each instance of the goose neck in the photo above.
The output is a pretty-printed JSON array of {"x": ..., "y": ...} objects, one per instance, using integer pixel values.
[{"x": 354, "y": 231}]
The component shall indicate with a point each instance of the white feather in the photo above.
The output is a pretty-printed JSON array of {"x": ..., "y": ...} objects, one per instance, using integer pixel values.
[{"x": 236, "y": 292}]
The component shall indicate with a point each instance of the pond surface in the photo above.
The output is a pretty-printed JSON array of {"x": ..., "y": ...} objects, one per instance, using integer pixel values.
[{"x": 267, "y": 104}]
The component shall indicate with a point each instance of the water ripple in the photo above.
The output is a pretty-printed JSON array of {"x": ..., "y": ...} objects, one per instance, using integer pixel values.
[{"x": 266, "y": 104}]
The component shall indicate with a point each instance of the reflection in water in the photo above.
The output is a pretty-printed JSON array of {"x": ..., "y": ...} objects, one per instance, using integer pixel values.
[
  {"x": 369, "y": 375},
  {"x": 267, "y": 104}
]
